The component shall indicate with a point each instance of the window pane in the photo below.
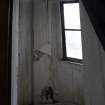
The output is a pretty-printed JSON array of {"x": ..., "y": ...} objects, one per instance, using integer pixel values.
[
  {"x": 72, "y": 16},
  {"x": 73, "y": 44}
]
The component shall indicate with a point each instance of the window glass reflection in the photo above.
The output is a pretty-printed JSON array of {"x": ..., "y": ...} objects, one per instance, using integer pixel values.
[
  {"x": 72, "y": 16},
  {"x": 73, "y": 44}
]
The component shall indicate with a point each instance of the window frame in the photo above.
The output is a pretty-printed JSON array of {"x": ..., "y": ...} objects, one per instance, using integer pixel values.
[{"x": 65, "y": 58}]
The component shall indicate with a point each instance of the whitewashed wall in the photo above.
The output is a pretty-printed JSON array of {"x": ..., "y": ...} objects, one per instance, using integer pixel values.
[
  {"x": 25, "y": 52},
  {"x": 15, "y": 33},
  {"x": 94, "y": 92},
  {"x": 66, "y": 77}
]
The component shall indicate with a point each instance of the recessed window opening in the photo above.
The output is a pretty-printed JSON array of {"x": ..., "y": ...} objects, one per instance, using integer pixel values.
[{"x": 71, "y": 30}]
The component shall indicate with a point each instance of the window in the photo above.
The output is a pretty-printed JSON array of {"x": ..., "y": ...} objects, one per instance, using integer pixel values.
[{"x": 71, "y": 31}]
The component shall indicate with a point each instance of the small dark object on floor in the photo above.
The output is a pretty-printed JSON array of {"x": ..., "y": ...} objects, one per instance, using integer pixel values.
[{"x": 48, "y": 93}]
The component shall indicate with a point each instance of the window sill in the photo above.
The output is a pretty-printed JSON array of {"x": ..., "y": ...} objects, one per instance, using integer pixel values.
[{"x": 73, "y": 61}]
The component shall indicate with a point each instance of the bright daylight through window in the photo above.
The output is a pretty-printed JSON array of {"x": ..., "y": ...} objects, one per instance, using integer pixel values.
[{"x": 72, "y": 30}]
